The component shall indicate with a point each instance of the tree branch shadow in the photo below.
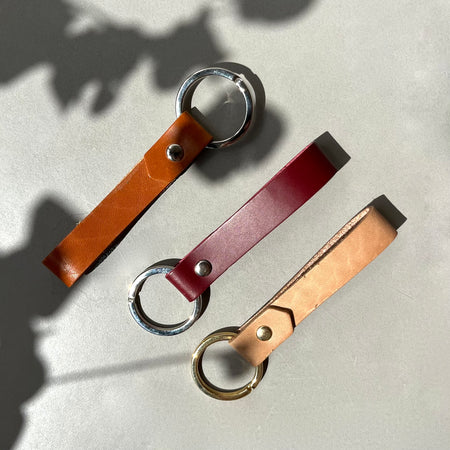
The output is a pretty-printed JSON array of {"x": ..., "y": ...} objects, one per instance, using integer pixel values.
[
  {"x": 270, "y": 11},
  {"x": 29, "y": 291},
  {"x": 102, "y": 53},
  {"x": 83, "y": 46}
]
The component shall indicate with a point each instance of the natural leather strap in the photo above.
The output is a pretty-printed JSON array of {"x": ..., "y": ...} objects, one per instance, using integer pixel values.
[
  {"x": 353, "y": 247},
  {"x": 149, "y": 178},
  {"x": 289, "y": 189}
]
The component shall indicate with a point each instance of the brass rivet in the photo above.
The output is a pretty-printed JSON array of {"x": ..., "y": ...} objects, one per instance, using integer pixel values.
[
  {"x": 264, "y": 333},
  {"x": 203, "y": 268},
  {"x": 175, "y": 152}
]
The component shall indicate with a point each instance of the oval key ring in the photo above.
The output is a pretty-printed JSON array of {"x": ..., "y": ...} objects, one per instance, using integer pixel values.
[
  {"x": 184, "y": 97},
  {"x": 138, "y": 313},
  {"x": 205, "y": 385}
]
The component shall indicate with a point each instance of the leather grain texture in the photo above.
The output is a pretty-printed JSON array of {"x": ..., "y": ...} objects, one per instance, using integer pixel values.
[
  {"x": 289, "y": 189},
  {"x": 148, "y": 179},
  {"x": 351, "y": 249}
]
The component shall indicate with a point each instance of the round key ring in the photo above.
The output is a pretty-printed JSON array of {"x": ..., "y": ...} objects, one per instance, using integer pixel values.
[
  {"x": 206, "y": 386},
  {"x": 184, "y": 97},
  {"x": 139, "y": 315}
]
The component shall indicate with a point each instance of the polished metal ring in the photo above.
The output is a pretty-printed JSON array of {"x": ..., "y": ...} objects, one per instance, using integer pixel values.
[
  {"x": 139, "y": 315},
  {"x": 184, "y": 96},
  {"x": 204, "y": 384}
]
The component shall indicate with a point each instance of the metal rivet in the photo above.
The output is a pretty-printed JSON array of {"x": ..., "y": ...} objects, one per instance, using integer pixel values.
[
  {"x": 203, "y": 268},
  {"x": 175, "y": 152},
  {"x": 264, "y": 333}
]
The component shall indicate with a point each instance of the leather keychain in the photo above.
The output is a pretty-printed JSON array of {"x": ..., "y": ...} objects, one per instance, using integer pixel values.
[
  {"x": 289, "y": 189},
  {"x": 171, "y": 155},
  {"x": 353, "y": 247}
]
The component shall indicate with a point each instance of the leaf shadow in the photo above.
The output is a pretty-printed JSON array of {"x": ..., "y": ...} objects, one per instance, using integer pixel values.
[{"x": 102, "y": 53}]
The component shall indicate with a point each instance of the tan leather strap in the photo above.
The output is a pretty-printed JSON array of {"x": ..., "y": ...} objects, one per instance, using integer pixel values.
[
  {"x": 354, "y": 246},
  {"x": 149, "y": 178}
]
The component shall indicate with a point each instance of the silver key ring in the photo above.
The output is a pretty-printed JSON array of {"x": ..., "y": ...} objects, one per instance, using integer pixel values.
[
  {"x": 139, "y": 315},
  {"x": 184, "y": 96}
]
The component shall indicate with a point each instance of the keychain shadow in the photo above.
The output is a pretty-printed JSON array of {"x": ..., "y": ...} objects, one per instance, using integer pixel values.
[
  {"x": 389, "y": 211},
  {"x": 29, "y": 291},
  {"x": 231, "y": 363},
  {"x": 332, "y": 150},
  {"x": 225, "y": 117},
  {"x": 217, "y": 164},
  {"x": 261, "y": 138}
]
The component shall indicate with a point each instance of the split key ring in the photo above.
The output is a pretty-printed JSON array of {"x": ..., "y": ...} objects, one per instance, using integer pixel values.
[
  {"x": 184, "y": 97},
  {"x": 139, "y": 315}
]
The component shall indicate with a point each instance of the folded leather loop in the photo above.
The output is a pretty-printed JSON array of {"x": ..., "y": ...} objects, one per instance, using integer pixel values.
[
  {"x": 149, "y": 178},
  {"x": 289, "y": 189},
  {"x": 354, "y": 246}
]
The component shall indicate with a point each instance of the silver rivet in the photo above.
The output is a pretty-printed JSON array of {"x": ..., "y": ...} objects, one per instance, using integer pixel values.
[
  {"x": 264, "y": 333},
  {"x": 203, "y": 268},
  {"x": 175, "y": 152}
]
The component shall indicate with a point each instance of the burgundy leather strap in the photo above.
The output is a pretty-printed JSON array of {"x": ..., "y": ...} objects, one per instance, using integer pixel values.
[{"x": 289, "y": 189}]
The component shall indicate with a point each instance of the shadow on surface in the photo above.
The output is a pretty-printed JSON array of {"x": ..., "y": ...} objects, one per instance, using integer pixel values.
[
  {"x": 29, "y": 291},
  {"x": 100, "y": 53},
  {"x": 332, "y": 150},
  {"x": 272, "y": 11},
  {"x": 83, "y": 46},
  {"x": 389, "y": 211},
  {"x": 228, "y": 112},
  {"x": 120, "y": 369},
  {"x": 229, "y": 363},
  {"x": 261, "y": 140}
]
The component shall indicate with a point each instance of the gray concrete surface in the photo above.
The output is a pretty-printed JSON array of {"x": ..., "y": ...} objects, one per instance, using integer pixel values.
[{"x": 87, "y": 86}]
